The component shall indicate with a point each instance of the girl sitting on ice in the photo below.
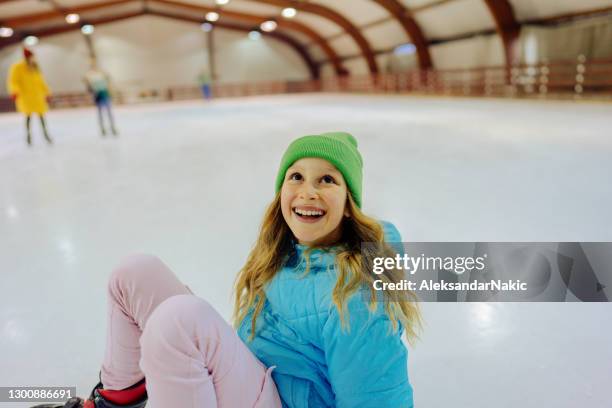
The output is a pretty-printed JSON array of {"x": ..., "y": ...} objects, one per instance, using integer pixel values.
[{"x": 310, "y": 330}]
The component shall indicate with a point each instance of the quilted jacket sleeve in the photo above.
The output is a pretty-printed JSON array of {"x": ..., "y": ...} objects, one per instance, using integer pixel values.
[{"x": 367, "y": 364}]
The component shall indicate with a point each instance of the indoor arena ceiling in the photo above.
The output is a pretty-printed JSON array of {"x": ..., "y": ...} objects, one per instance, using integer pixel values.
[{"x": 323, "y": 30}]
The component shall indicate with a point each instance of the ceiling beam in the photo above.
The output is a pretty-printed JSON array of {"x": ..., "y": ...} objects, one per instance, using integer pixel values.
[
  {"x": 412, "y": 29},
  {"x": 335, "y": 17},
  {"x": 295, "y": 45},
  {"x": 4, "y": 42},
  {"x": 569, "y": 17},
  {"x": 507, "y": 28},
  {"x": 29, "y": 19},
  {"x": 428, "y": 6},
  {"x": 256, "y": 20},
  {"x": 55, "y": 6},
  {"x": 313, "y": 67}
]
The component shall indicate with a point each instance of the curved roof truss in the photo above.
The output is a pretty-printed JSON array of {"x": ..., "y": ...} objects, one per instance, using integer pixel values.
[
  {"x": 339, "y": 19},
  {"x": 412, "y": 29}
]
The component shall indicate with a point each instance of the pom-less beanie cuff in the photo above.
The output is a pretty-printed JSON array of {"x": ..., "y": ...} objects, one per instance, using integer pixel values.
[{"x": 338, "y": 148}]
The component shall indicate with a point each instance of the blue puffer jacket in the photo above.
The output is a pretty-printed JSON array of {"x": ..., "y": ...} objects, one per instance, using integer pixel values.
[{"x": 319, "y": 364}]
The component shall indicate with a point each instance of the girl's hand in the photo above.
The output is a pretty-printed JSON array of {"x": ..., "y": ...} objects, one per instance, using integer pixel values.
[{"x": 14, "y": 97}]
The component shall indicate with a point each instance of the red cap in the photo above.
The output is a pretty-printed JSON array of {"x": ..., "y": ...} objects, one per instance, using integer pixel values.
[{"x": 27, "y": 53}]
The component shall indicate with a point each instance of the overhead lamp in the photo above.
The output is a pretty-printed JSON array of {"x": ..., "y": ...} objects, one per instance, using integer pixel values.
[
  {"x": 87, "y": 29},
  {"x": 206, "y": 27},
  {"x": 212, "y": 16},
  {"x": 404, "y": 49},
  {"x": 30, "y": 40},
  {"x": 6, "y": 32},
  {"x": 254, "y": 35},
  {"x": 268, "y": 26},
  {"x": 289, "y": 12},
  {"x": 222, "y": 2},
  {"x": 72, "y": 18}
]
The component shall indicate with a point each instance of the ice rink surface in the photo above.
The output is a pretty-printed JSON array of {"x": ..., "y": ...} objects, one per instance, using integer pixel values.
[{"x": 189, "y": 181}]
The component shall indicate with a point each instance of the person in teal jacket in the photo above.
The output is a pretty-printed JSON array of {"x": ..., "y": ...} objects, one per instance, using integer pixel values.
[
  {"x": 330, "y": 346},
  {"x": 310, "y": 330}
]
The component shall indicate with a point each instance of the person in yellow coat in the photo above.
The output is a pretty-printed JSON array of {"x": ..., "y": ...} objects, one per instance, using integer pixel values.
[{"x": 28, "y": 88}]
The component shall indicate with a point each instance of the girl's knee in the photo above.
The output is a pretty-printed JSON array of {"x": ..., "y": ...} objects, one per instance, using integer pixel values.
[
  {"x": 174, "y": 323},
  {"x": 180, "y": 311},
  {"x": 179, "y": 339},
  {"x": 134, "y": 267}
]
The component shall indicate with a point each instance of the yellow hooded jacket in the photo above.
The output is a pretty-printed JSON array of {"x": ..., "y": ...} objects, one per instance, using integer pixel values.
[{"x": 29, "y": 86}]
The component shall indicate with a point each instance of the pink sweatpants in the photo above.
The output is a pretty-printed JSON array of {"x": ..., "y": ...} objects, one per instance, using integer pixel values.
[{"x": 190, "y": 356}]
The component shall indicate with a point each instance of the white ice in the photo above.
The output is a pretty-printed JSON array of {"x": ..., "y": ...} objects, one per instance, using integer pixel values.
[{"x": 189, "y": 181}]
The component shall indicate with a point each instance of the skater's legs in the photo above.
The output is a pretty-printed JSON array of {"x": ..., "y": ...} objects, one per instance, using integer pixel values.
[
  {"x": 109, "y": 113},
  {"x": 100, "y": 118},
  {"x": 193, "y": 358},
  {"x": 135, "y": 288},
  {"x": 28, "y": 132},
  {"x": 44, "y": 127}
]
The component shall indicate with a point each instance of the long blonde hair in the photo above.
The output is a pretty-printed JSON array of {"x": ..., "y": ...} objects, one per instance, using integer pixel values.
[{"x": 275, "y": 243}]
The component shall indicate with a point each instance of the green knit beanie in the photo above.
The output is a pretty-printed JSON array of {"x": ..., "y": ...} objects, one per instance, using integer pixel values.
[{"x": 338, "y": 148}]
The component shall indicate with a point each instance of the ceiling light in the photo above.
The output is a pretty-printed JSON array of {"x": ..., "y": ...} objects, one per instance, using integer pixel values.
[
  {"x": 30, "y": 40},
  {"x": 268, "y": 26},
  {"x": 254, "y": 35},
  {"x": 221, "y": 2},
  {"x": 6, "y": 32},
  {"x": 206, "y": 27},
  {"x": 72, "y": 18},
  {"x": 404, "y": 49},
  {"x": 87, "y": 29},
  {"x": 289, "y": 12},
  {"x": 212, "y": 16}
]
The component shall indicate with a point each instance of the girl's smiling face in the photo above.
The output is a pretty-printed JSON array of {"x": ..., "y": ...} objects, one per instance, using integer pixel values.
[{"x": 313, "y": 201}]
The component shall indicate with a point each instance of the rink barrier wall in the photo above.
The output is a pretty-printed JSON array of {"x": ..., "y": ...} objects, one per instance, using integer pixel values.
[{"x": 579, "y": 79}]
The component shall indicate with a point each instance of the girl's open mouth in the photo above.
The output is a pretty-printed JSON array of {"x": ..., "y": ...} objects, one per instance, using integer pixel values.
[{"x": 308, "y": 214}]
